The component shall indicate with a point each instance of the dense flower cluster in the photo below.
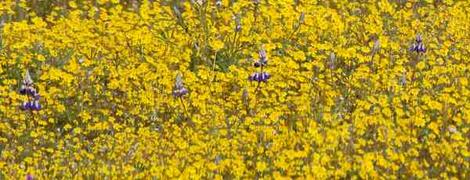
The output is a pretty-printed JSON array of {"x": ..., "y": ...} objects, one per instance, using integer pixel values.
[{"x": 355, "y": 89}]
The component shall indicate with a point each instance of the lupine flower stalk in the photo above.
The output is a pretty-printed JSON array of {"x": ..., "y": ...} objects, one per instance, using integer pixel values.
[
  {"x": 260, "y": 76},
  {"x": 179, "y": 91},
  {"x": 419, "y": 48},
  {"x": 27, "y": 88},
  {"x": 418, "y": 45}
]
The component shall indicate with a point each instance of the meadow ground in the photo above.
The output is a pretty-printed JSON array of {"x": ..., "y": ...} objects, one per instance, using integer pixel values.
[{"x": 216, "y": 89}]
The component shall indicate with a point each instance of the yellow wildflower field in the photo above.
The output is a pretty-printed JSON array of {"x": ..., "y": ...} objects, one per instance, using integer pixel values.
[{"x": 232, "y": 89}]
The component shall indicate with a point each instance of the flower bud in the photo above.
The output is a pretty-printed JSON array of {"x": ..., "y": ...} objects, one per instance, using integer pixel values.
[
  {"x": 257, "y": 64},
  {"x": 419, "y": 38},
  {"x": 23, "y": 90},
  {"x": 263, "y": 58}
]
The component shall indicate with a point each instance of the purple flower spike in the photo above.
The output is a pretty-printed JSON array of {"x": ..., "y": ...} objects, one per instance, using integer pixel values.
[
  {"x": 183, "y": 91},
  {"x": 180, "y": 92},
  {"x": 259, "y": 77},
  {"x": 29, "y": 177},
  {"x": 262, "y": 62},
  {"x": 27, "y": 88},
  {"x": 179, "y": 89},
  {"x": 418, "y": 45}
]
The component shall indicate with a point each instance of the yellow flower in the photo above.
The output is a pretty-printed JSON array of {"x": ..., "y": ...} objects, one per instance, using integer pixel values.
[{"x": 217, "y": 45}]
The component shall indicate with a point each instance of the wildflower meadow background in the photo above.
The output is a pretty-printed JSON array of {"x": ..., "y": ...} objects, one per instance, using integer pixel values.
[{"x": 229, "y": 89}]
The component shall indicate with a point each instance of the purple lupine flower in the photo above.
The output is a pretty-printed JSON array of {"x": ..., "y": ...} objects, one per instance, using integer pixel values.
[
  {"x": 179, "y": 89},
  {"x": 180, "y": 92},
  {"x": 253, "y": 77},
  {"x": 267, "y": 75},
  {"x": 27, "y": 106},
  {"x": 27, "y": 88},
  {"x": 421, "y": 48},
  {"x": 35, "y": 106},
  {"x": 259, "y": 77},
  {"x": 418, "y": 45},
  {"x": 263, "y": 77}
]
